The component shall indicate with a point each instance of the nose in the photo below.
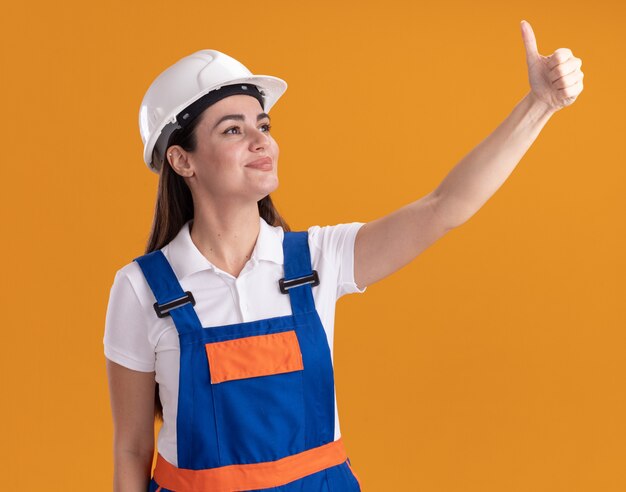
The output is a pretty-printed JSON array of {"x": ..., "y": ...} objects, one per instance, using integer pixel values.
[{"x": 260, "y": 140}]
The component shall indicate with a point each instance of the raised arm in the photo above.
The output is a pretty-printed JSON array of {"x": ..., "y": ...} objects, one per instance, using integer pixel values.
[{"x": 390, "y": 242}]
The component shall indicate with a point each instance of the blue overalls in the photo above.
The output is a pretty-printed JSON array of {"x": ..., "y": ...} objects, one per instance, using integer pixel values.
[{"x": 256, "y": 399}]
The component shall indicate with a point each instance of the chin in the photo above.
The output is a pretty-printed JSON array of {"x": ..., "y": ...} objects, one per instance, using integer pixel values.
[
  {"x": 266, "y": 190},
  {"x": 272, "y": 185}
]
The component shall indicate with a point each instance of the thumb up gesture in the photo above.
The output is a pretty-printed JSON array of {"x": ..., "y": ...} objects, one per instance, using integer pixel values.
[{"x": 555, "y": 79}]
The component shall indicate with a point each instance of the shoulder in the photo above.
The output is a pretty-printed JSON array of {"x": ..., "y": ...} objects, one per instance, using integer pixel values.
[
  {"x": 332, "y": 250},
  {"x": 131, "y": 287},
  {"x": 131, "y": 279},
  {"x": 128, "y": 335},
  {"x": 333, "y": 238}
]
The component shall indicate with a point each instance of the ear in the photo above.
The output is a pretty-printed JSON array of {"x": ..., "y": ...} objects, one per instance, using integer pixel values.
[{"x": 178, "y": 159}]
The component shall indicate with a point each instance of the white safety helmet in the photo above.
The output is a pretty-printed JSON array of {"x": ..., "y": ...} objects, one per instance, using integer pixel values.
[{"x": 185, "y": 82}]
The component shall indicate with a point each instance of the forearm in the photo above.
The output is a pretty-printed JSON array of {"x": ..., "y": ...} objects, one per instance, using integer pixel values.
[
  {"x": 131, "y": 471},
  {"x": 481, "y": 172}
]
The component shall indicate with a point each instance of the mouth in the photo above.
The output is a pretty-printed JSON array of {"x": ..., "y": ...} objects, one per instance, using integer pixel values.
[{"x": 263, "y": 164}]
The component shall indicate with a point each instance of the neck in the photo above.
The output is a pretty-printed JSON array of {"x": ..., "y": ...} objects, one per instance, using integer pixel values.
[{"x": 227, "y": 239}]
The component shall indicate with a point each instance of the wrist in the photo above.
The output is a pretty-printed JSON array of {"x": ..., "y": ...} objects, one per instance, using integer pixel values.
[{"x": 538, "y": 106}]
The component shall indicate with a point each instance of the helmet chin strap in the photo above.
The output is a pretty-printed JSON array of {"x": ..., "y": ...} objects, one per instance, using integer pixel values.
[{"x": 161, "y": 144}]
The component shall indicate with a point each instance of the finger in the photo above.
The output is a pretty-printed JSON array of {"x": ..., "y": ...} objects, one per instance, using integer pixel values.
[
  {"x": 559, "y": 56},
  {"x": 568, "y": 81},
  {"x": 570, "y": 66},
  {"x": 530, "y": 42},
  {"x": 571, "y": 91}
]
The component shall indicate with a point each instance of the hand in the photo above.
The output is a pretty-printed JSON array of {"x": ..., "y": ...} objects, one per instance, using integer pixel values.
[{"x": 556, "y": 79}]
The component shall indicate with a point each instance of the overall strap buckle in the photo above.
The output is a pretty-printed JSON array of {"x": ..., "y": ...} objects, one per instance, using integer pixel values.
[
  {"x": 162, "y": 310},
  {"x": 285, "y": 285}
]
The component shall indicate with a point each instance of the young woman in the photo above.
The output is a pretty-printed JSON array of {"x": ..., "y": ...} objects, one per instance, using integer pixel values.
[{"x": 225, "y": 324}]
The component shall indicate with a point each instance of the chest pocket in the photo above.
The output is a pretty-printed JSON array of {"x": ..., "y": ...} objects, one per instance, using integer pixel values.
[
  {"x": 259, "y": 355},
  {"x": 258, "y": 397}
]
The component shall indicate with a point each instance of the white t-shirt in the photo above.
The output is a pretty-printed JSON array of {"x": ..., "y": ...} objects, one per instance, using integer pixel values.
[{"x": 137, "y": 338}]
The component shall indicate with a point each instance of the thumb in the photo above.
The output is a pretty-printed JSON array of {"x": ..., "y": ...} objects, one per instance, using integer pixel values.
[{"x": 530, "y": 43}]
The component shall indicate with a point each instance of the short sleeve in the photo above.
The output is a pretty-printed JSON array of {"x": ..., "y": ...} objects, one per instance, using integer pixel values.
[
  {"x": 126, "y": 332},
  {"x": 336, "y": 243}
]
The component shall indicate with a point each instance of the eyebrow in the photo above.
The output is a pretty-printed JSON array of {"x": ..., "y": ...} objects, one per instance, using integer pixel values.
[{"x": 240, "y": 117}]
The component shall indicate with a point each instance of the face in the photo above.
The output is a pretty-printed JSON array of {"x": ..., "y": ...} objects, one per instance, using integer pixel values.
[{"x": 231, "y": 134}]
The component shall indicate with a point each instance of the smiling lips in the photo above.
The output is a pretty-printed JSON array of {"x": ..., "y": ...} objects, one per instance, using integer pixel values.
[{"x": 264, "y": 164}]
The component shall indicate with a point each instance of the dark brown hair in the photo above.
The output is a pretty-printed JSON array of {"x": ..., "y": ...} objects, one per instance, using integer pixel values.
[{"x": 174, "y": 206}]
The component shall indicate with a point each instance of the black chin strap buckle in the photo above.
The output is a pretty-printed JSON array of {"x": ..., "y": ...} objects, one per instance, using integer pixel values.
[
  {"x": 285, "y": 285},
  {"x": 162, "y": 310}
]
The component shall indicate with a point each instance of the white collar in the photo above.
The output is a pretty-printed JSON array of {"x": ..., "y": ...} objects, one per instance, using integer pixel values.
[{"x": 186, "y": 258}]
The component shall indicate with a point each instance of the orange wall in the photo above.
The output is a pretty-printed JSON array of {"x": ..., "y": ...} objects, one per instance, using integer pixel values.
[{"x": 493, "y": 362}]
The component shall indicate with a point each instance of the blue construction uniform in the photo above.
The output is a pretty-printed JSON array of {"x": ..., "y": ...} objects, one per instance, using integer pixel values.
[{"x": 256, "y": 399}]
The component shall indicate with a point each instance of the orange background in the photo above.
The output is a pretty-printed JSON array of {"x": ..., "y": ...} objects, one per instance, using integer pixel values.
[{"x": 493, "y": 362}]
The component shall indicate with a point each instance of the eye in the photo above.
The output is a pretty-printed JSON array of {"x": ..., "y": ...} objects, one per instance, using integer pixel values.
[{"x": 267, "y": 127}]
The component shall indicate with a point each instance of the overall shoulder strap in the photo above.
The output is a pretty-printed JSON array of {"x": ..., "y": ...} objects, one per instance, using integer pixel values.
[
  {"x": 171, "y": 300},
  {"x": 299, "y": 275}
]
